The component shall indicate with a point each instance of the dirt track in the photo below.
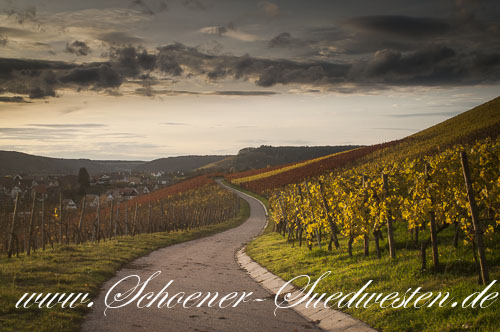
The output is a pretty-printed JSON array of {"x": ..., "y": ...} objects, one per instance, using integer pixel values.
[{"x": 205, "y": 265}]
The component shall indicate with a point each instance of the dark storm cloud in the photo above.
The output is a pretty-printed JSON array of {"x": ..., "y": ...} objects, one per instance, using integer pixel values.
[
  {"x": 141, "y": 6},
  {"x": 98, "y": 75},
  {"x": 393, "y": 64},
  {"x": 9, "y": 66},
  {"x": 149, "y": 7},
  {"x": 173, "y": 58},
  {"x": 285, "y": 39},
  {"x": 132, "y": 61},
  {"x": 14, "y": 32},
  {"x": 430, "y": 65},
  {"x": 463, "y": 29},
  {"x": 15, "y": 99},
  {"x": 436, "y": 65},
  {"x": 40, "y": 93},
  {"x": 22, "y": 16},
  {"x": 39, "y": 79},
  {"x": 78, "y": 48},
  {"x": 119, "y": 38},
  {"x": 406, "y": 26},
  {"x": 244, "y": 93}
]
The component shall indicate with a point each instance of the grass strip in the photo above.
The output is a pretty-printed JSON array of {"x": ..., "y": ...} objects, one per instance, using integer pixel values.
[
  {"x": 254, "y": 195},
  {"x": 79, "y": 269},
  {"x": 349, "y": 274}
]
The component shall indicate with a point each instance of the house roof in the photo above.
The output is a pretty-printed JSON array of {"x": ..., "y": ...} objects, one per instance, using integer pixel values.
[{"x": 40, "y": 189}]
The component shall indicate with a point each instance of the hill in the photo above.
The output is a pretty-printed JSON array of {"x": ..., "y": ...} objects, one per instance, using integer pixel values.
[
  {"x": 269, "y": 156},
  {"x": 181, "y": 163},
  {"x": 12, "y": 162},
  {"x": 478, "y": 123}
]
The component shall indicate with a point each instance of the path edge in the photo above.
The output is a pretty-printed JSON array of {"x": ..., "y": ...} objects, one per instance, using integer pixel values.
[{"x": 327, "y": 319}]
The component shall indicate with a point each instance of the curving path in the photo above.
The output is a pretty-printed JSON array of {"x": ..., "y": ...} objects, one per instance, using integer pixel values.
[{"x": 205, "y": 265}]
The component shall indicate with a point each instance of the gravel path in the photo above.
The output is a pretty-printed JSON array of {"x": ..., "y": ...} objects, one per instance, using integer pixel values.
[{"x": 204, "y": 265}]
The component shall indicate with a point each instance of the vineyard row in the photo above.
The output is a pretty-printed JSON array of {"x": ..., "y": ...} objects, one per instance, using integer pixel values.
[
  {"x": 35, "y": 224},
  {"x": 458, "y": 187}
]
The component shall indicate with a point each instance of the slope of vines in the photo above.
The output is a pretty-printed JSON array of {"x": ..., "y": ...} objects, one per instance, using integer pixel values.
[
  {"x": 426, "y": 194},
  {"x": 262, "y": 183},
  {"x": 190, "y": 204}
]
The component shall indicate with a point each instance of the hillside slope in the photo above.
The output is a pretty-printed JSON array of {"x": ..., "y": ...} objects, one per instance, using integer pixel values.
[
  {"x": 181, "y": 163},
  {"x": 477, "y": 123},
  {"x": 480, "y": 122},
  {"x": 270, "y": 156},
  {"x": 12, "y": 162}
]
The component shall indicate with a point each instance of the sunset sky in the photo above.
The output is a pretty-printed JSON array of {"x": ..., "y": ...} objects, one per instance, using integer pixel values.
[{"x": 144, "y": 79}]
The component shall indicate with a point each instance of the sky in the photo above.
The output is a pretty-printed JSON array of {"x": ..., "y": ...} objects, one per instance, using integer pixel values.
[{"x": 146, "y": 79}]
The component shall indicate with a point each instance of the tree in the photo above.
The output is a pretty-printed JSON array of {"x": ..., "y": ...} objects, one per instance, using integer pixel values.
[{"x": 83, "y": 180}]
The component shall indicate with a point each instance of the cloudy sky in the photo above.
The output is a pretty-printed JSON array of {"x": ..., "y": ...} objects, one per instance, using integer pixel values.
[{"x": 143, "y": 79}]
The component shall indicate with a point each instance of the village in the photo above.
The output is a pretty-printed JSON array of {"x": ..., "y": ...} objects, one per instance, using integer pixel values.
[{"x": 103, "y": 188}]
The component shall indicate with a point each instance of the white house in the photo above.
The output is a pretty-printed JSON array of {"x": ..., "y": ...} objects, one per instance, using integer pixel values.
[
  {"x": 15, "y": 191},
  {"x": 69, "y": 204},
  {"x": 91, "y": 200}
]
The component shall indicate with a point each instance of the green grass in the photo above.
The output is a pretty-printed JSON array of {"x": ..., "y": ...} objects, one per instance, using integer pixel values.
[
  {"x": 350, "y": 274},
  {"x": 79, "y": 268},
  {"x": 254, "y": 195}
]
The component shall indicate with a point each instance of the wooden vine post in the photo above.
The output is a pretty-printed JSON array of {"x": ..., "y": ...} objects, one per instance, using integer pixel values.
[
  {"x": 331, "y": 223},
  {"x": 478, "y": 230},
  {"x": 98, "y": 221},
  {"x": 312, "y": 215},
  {"x": 12, "y": 228},
  {"x": 163, "y": 223},
  {"x": 117, "y": 226},
  {"x": 111, "y": 219},
  {"x": 82, "y": 213},
  {"x": 366, "y": 239},
  {"x": 390, "y": 232},
  {"x": 43, "y": 224},
  {"x": 134, "y": 221},
  {"x": 434, "y": 241},
  {"x": 150, "y": 228},
  {"x": 60, "y": 218},
  {"x": 126, "y": 220},
  {"x": 30, "y": 227}
]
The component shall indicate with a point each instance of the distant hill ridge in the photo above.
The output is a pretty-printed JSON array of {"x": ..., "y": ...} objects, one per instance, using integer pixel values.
[
  {"x": 269, "y": 156},
  {"x": 180, "y": 163},
  {"x": 12, "y": 162}
]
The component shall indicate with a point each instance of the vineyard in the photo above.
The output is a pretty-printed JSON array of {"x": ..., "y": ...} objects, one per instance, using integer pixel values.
[
  {"x": 34, "y": 224},
  {"x": 459, "y": 187},
  {"x": 263, "y": 181},
  {"x": 268, "y": 173}
]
